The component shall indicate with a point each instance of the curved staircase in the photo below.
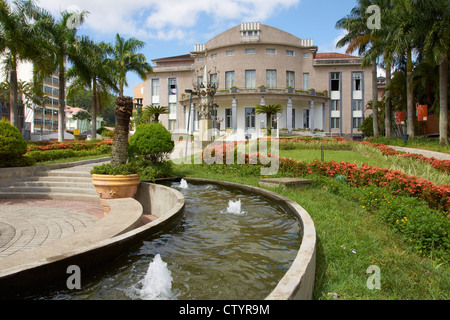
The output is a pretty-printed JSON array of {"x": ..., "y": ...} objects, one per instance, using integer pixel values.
[{"x": 71, "y": 183}]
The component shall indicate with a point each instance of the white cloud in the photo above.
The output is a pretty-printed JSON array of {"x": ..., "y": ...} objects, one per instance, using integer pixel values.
[
  {"x": 331, "y": 47},
  {"x": 156, "y": 19}
]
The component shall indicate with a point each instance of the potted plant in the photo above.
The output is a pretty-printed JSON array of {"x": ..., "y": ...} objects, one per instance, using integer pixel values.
[{"x": 118, "y": 179}]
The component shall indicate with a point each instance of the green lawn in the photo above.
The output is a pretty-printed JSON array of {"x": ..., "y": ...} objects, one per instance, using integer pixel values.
[{"x": 329, "y": 155}]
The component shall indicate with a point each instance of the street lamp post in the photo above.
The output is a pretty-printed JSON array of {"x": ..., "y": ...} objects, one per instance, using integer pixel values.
[{"x": 189, "y": 121}]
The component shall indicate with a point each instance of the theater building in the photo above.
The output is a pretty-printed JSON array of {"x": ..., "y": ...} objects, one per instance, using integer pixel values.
[{"x": 255, "y": 64}]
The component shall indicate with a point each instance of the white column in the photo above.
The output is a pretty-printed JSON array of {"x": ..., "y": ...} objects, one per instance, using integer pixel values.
[
  {"x": 311, "y": 116},
  {"x": 289, "y": 114},
  {"x": 234, "y": 114}
]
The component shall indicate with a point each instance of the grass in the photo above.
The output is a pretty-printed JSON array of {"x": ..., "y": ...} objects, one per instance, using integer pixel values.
[
  {"x": 363, "y": 154},
  {"x": 335, "y": 155},
  {"x": 343, "y": 225},
  {"x": 73, "y": 159},
  {"x": 418, "y": 142}
]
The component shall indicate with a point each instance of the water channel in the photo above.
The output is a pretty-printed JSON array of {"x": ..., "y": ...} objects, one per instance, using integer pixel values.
[{"x": 229, "y": 244}]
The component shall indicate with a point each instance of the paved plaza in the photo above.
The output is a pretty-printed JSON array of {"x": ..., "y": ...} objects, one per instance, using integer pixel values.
[{"x": 29, "y": 222}]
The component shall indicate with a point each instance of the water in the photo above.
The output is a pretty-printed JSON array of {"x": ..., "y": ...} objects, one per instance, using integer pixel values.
[
  {"x": 228, "y": 244},
  {"x": 234, "y": 207},
  {"x": 157, "y": 283},
  {"x": 183, "y": 184}
]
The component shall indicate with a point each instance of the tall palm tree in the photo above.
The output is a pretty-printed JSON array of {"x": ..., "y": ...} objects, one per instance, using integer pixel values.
[
  {"x": 93, "y": 73},
  {"x": 269, "y": 111},
  {"x": 18, "y": 44},
  {"x": 403, "y": 37},
  {"x": 359, "y": 38},
  {"x": 382, "y": 47},
  {"x": 61, "y": 44},
  {"x": 124, "y": 58},
  {"x": 433, "y": 27}
]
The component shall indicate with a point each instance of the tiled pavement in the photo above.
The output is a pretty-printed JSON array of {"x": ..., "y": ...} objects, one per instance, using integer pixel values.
[{"x": 26, "y": 223}]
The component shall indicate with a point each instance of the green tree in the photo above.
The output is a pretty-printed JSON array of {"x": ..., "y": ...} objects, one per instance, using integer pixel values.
[
  {"x": 403, "y": 39},
  {"x": 433, "y": 28},
  {"x": 92, "y": 72},
  {"x": 61, "y": 46},
  {"x": 83, "y": 116},
  {"x": 124, "y": 58},
  {"x": 359, "y": 38},
  {"x": 17, "y": 43},
  {"x": 269, "y": 110},
  {"x": 155, "y": 111}
]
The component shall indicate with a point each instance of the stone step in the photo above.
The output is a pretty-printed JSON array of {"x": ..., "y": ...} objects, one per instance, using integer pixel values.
[
  {"x": 57, "y": 173},
  {"x": 57, "y": 179},
  {"x": 52, "y": 189},
  {"x": 52, "y": 196},
  {"x": 58, "y": 184}
]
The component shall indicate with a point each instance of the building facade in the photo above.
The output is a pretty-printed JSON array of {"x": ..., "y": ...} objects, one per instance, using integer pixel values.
[
  {"x": 36, "y": 118},
  {"x": 255, "y": 64}
]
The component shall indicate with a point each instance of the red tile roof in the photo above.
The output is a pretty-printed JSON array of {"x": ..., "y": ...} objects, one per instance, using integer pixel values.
[{"x": 333, "y": 55}]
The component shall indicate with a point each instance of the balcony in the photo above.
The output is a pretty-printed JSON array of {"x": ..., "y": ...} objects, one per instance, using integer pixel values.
[
  {"x": 327, "y": 62},
  {"x": 266, "y": 91}
]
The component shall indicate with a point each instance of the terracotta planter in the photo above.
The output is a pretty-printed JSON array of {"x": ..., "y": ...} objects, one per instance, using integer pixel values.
[{"x": 115, "y": 187}]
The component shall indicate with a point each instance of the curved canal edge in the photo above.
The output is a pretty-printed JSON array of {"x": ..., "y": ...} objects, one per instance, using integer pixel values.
[
  {"x": 115, "y": 234},
  {"x": 298, "y": 281}
]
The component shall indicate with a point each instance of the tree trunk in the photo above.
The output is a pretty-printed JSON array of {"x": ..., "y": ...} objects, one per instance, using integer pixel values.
[
  {"x": 123, "y": 112},
  {"x": 62, "y": 101},
  {"x": 94, "y": 109},
  {"x": 388, "y": 119},
  {"x": 13, "y": 94},
  {"x": 376, "y": 130},
  {"x": 443, "y": 101},
  {"x": 409, "y": 98},
  {"x": 268, "y": 124}
]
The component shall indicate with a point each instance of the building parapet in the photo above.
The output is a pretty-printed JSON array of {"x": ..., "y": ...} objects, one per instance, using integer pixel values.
[
  {"x": 173, "y": 68},
  {"x": 263, "y": 90},
  {"x": 325, "y": 62}
]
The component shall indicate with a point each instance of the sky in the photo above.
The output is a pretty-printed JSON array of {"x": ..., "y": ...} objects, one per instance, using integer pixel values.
[{"x": 171, "y": 28}]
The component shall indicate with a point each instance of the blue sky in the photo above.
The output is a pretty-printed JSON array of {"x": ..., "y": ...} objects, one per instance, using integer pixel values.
[{"x": 172, "y": 28}]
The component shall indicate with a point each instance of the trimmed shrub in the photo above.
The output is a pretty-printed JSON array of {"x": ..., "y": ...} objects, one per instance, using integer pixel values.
[
  {"x": 12, "y": 147},
  {"x": 151, "y": 142}
]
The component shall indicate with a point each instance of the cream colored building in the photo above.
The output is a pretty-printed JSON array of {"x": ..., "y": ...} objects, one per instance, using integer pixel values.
[{"x": 255, "y": 64}]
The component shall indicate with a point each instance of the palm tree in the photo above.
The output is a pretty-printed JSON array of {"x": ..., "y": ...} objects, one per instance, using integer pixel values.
[
  {"x": 269, "y": 111},
  {"x": 403, "y": 36},
  {"x": 124, "y": 58},
  {"x": 123, "y": 111},
  {"x": 93, "y": 73},
  {"x": 61, "y": 42},
  {"x": 381, "y": 46},
  {"x": 17, "y": 42},
  {"x": 359, "y": 38},
  {"x": 433, "y": 27},
  {"x": 82, "y": 115},
  {"x": 155, "y": 111}
]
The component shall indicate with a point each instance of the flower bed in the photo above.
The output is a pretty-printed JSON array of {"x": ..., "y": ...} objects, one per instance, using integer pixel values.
[
  {"x": 442, "y": 165},
  {"x": 45, "y": 151},
  {"x": 425, "y": 229},
  {"x": 437, "y": 196},
  {"x": 88, "y": 145}
]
